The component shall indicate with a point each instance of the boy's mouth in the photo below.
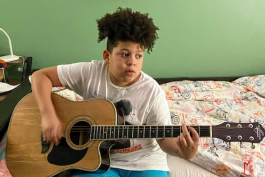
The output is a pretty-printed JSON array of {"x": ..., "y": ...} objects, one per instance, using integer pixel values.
[{"x": 130, "y": 72}]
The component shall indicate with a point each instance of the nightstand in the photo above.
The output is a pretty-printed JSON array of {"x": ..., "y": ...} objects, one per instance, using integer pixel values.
[
  {"x": 25, "y": 64},
  {"x": 9, "y": 103}
]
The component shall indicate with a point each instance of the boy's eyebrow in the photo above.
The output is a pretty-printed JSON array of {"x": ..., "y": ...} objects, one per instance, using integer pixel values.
[
  {"x": 125, "y": 49},
  {"x": 141, "y": 50}
]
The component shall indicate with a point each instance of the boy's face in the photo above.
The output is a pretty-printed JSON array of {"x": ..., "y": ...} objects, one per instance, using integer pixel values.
[{"x": 125, "y": 63}]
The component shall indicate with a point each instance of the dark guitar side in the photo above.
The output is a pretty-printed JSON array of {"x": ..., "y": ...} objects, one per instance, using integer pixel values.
[{"x": 23, "y": 155}]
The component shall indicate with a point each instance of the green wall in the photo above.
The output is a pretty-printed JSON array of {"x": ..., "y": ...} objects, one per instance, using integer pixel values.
[{"x": 197, "y": 38}]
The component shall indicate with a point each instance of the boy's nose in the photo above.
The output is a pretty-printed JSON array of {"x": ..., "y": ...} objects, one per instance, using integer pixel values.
[{"x": 131, "y": 60}]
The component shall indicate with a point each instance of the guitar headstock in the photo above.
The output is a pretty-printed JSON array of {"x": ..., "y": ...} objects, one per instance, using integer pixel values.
[{"x": 239, "y": 132}]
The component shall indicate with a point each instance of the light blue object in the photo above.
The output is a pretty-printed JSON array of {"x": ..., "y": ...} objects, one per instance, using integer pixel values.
[
  {"x": 115, "y": 172},
  {"x": 3, "y": 154}
]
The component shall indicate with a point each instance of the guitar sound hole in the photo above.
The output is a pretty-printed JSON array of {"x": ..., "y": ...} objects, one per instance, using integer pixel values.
[{"x": 80, "y": 133}]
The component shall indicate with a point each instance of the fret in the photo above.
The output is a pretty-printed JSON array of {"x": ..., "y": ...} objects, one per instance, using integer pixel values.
[
  {"x": 210, "y": 131},
  {"x": 205, "y": 131},
  {"x": 105, "y": 129},
  {"x": 168, "y": 131},
  {"x": 153, "y": 132},
  {"x": 106, "y": 132},
  {"x": 114, "y": 135},
  {"x": 171, "y": 131},
  {"x": 120, "y": 132},
  {"x": 94, "y": 136},
  {"x": 150, "y": 131},
  {"x": 136, "y": 132},
  {"x": 100, "y": 132},
  {"x": 157, "y": 131},
  {"x": 176, "y": 131},
  {"x": 160, "y": 131},
  {"x": 94, "y": 132},
  {"x": 103, "y": 132},
  {"x": 141, "y": 132},
  {"x": 110, "y": 132},
  {"x": 164, "y": 135},
  {"x": 116, "y": 130},
  {"x": 97, "y": 133},
  {"x": 132, "y": 131},
  {"x": 91, "y": 133},
  {"x": 147, "y": 131},
  {"x": 125, "y": 132}
]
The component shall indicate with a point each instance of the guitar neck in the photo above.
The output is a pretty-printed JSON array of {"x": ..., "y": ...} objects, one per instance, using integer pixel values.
[{"x": 132, "y": 131}]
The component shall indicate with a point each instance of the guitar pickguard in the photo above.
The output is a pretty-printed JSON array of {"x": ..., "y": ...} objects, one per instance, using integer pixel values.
[{"x": 63, "y": 154}]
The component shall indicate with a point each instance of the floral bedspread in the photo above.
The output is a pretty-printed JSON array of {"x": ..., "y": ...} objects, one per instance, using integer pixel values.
[
  {"x": 211, "y": 103},
  {"x": 215, "y": 102}
]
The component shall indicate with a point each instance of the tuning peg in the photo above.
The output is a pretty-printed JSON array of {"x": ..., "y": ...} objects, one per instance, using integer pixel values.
[
  {"x": 251, "y": 120},
  {"x": 229, "y": 120},
  {"x": 252, "y": 146},
  {"x": 213, "y": 141},
  {"x": 228, "y": 146}
]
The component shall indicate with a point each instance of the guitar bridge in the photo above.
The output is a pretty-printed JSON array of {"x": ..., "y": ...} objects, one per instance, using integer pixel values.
[{"x": 44, "y": 145}]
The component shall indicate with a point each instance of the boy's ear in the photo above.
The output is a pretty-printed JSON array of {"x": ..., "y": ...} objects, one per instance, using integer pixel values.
[{"x": 106, "y": 56}]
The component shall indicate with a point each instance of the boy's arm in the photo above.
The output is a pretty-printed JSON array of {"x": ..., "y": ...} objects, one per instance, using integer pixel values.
[
  {"x": 183, "y": 146},
  {"x": 42, "y": 82}
]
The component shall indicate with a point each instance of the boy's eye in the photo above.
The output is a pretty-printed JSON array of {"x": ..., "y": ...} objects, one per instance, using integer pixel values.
[
  {"x": 125, "y": 54},
  {"x": 138, "y": 56}
]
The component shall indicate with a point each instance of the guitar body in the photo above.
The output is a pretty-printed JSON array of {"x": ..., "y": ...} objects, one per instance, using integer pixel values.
[{"x": 29, "y": 155}]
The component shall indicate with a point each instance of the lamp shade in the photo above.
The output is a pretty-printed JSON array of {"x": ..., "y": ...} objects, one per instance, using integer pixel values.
[{"x": 10, "y": 57}]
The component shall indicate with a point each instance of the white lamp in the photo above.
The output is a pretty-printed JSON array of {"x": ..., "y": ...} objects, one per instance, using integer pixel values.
[{"x": 11, "y": 57}]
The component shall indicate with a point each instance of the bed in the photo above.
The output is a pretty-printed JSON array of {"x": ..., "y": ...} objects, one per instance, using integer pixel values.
[{"x": 209, "y": 101}]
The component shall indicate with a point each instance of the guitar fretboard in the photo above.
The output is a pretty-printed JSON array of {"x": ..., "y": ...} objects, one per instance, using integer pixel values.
[{"x": 132, "y": 131}]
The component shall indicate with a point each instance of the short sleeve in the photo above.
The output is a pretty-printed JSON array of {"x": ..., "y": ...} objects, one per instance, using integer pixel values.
[{"x": 159, "y": 113}]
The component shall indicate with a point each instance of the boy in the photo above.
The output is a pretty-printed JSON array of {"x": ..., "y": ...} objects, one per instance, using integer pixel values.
[{"x": 119, "y": 78}]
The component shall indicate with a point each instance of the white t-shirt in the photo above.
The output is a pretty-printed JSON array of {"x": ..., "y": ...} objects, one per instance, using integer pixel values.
[{"x": 149, "y": 107}]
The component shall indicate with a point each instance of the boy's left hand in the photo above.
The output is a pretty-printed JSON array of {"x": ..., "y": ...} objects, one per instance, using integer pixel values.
[
  {"x": 187, "y": 145},
  {"x": 183, "y": 146}
]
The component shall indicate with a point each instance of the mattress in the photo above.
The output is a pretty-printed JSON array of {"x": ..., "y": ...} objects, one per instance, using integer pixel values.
[{"x": 212, "y": 103}]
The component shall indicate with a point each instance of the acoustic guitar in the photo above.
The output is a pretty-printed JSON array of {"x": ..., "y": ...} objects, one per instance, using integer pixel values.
[{"x": 90, "y": 129}]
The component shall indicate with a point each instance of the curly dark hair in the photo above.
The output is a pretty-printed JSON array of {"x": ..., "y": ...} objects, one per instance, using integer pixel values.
[{"x": 125, "y": 25}]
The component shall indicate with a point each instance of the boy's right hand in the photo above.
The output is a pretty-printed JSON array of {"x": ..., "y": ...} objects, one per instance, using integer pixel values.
[{"x": 51, "y": 129}]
